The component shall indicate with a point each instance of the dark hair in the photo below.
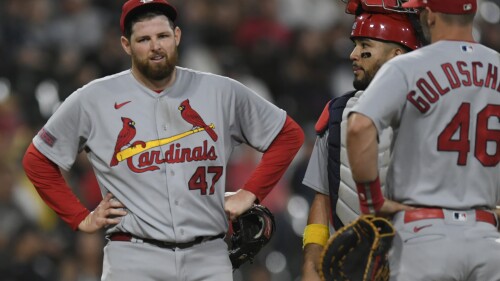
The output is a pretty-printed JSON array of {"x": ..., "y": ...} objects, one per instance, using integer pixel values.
[{"x": 140, "y": 15}]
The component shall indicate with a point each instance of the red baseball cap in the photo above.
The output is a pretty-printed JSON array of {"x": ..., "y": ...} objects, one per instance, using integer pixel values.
[
  {"x": 456, "y": 7},
  {"x": 133, "y": 6}
]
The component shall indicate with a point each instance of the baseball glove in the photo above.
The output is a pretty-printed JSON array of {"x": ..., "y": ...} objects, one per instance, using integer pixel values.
[
  {"x": 252, "y": 230},
  {"x": 358, "y": 251}
]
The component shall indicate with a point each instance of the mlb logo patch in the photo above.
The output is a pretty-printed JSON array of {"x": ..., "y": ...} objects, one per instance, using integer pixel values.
[
  {"x": 467, "y": 48},
  {"x": 460, "y": 216}
]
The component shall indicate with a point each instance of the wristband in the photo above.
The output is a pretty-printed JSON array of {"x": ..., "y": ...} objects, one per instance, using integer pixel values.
[
  {"x": 370, "y": 196},
  {"x": 316, "y": 233}
]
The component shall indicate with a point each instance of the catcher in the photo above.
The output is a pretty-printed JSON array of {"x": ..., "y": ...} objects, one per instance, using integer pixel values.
[{"x": 378, "y": 35}]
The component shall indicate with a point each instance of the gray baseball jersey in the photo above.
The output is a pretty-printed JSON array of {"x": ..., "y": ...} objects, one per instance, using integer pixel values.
[
  {"x": 445, "y": 112},
  {"x": 316, "y": 175},
  {"x": 163, "y": 155},
  {"x": 443, "y": 102}
]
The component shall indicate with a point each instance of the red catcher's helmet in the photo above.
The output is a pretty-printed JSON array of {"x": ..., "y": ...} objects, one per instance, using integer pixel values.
[
  {"x": 376, "y": 6},
  {"x": 394, "y": 27}
]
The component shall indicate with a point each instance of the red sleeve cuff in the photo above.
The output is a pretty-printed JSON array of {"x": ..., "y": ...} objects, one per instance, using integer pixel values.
[
  {"x": 276, "y": 160},
  {"x": 371, "y": 198}
]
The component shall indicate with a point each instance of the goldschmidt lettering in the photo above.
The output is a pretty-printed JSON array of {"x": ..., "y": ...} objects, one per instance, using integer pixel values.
[{"x": 461, "y": 74}]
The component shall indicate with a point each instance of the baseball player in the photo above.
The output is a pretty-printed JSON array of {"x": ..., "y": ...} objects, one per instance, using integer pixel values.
[
  {"x": 159, "y": 138},
  {"x": 443, "y": 103},
  {"x": 377, "y": 38}
]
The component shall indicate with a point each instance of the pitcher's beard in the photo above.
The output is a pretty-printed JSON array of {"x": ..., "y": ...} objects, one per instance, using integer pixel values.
[{"x": 159, "y": 71}]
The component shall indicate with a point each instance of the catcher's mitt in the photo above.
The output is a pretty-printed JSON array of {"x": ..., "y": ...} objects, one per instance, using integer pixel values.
[
  {"x": 359, "y": 251},
  {"x": 252, "y": 230}
]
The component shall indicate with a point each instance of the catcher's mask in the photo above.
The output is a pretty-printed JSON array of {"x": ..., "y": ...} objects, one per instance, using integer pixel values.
[
  {"x": 252, "y": 230},
  {"x": 393, "y": 27}
]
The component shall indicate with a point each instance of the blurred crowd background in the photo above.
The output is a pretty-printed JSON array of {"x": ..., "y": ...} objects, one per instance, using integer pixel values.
[{"x": 295, "y": 53}]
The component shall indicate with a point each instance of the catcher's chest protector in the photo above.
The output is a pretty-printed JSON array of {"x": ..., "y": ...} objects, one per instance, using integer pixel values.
[{"x": 336, "y": 109}]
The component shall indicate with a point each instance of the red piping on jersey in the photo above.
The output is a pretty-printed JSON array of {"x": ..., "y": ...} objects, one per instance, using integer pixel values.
[
  {"x": 53, "y": 189},
  {"x": 322, "y": 123},
  {"x": 275, "y": 160}
]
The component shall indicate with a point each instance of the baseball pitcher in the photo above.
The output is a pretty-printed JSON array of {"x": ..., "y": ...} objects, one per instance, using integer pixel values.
[{"x": 159, "y": 137}]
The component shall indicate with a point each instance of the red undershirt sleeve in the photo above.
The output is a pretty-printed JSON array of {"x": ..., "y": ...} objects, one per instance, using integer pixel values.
[
  {"x": 276, "y": 160},
  {"x": 52, "y": 188}
]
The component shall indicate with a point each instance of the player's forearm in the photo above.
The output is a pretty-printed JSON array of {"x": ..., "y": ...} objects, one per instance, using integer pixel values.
[
  {"x": 312, "y": 255},
  {"x": 316, "y": 233},
  {"x": 52, "y": 188},
  {"x": 317, "y": 230},
  {"x": 319, "y": 211},
  {"x": 316, "y": 237},
  {"x": 276, "y": 159},
  {"x": 362, "y": 148}
]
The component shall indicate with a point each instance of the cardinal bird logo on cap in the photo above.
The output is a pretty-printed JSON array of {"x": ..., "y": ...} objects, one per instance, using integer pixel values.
[
  {"x": 124, "y": 137},
  {"x": 193, "y": 118}
]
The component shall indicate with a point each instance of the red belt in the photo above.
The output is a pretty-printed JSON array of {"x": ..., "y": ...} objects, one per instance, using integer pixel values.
[
  {"x": 127, "y": 237},
  {"x": 424, "y": 213}
]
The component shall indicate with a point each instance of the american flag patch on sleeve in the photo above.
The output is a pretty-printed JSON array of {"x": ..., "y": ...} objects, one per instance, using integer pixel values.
[{"x": 47, "y": 137}]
